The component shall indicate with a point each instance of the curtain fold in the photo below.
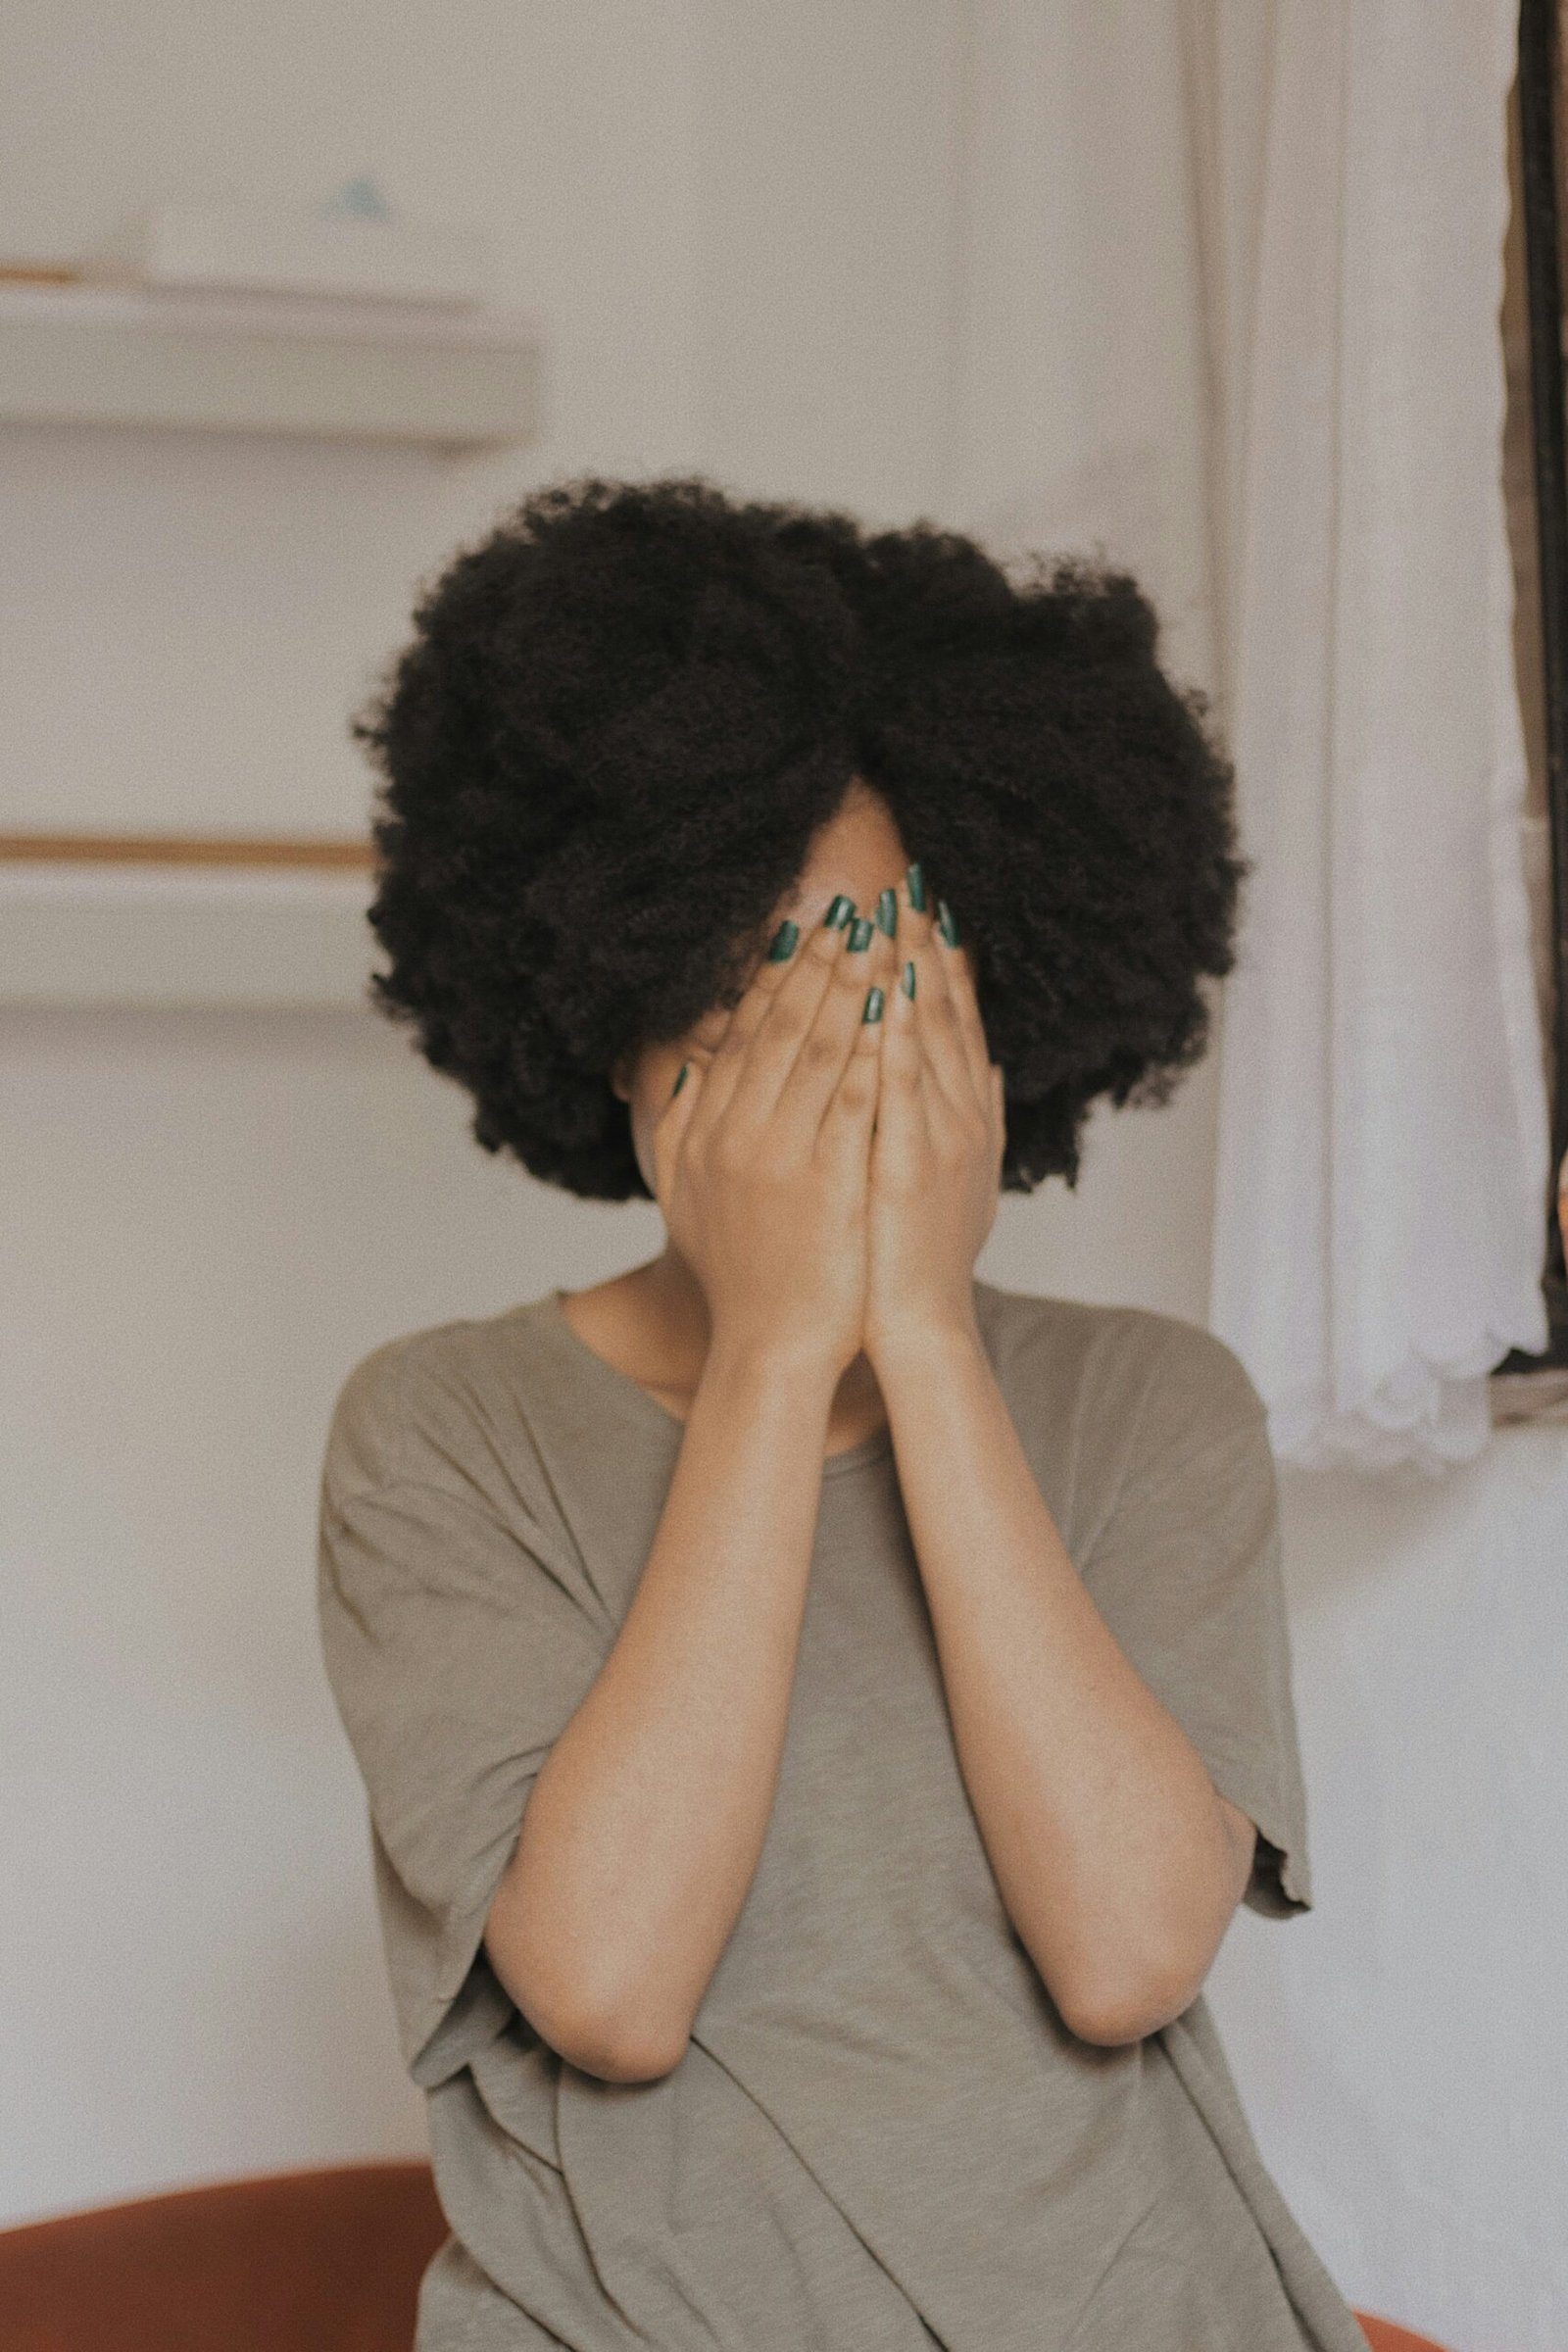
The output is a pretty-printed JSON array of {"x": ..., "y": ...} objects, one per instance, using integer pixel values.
[
  {"x": 1381, "y": 1174},
  {"x": 1227, "y": 288}
]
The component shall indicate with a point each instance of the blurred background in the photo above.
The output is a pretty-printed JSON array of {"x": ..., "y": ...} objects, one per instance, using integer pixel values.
[{"x": 1174, "y": 282}]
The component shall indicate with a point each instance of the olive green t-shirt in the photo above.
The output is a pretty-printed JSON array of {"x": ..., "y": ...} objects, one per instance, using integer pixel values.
[{"x": 881, "y": 2135}]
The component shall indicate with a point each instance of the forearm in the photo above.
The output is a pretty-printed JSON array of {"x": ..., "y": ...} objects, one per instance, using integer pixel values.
[
  {"x": 1100, "y": 1819},
  {"x": 642, "y": 1832}
]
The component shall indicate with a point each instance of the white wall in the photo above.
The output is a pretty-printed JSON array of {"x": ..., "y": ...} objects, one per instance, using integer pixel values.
[
  {"x": 1403, "y": 2048},
  {"x": 737, "y": 232}
]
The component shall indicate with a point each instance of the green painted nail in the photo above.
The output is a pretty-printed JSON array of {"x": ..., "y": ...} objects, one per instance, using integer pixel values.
[
  {"x": 784, "y": 939},
  {"x": 946, "y": 924},
  {"x": 908, "y": 977},
  {"x": 680, "y": 1077},
  {"x": 873, "y": 1004},
  {"x": 839, "y": 913},
  {"x": 916, "y": 881},
  {"x": 887, "y": 910},
  {"x": 859, "y": 934}
]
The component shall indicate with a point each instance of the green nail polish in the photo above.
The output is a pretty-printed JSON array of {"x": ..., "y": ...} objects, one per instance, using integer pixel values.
[
  {"x": 859, "y": 934},
  {"x": 887, "y": 910},
  {"x": 873, "y": 1004},
  {"x": 839, "y": 913},
  {"x": 916, "y": 881},
  {"x": 784, "y": 939},
  {"x": 946, "y": 924},
  {"x": 680, "y": 1077},
  {"x": 908, "y": 977}
]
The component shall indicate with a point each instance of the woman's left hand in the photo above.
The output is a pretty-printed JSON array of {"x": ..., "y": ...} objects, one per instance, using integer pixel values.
[{"x": 937, "y": 1146}]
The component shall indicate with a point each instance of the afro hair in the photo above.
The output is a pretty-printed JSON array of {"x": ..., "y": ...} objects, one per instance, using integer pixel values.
[{"x": 632, "y": 703}]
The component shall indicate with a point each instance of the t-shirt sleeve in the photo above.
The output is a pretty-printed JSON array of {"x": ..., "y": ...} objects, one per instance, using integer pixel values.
[
  {"x": 458, "y": 1637},
  {"x": 1186, "y": 1570}
]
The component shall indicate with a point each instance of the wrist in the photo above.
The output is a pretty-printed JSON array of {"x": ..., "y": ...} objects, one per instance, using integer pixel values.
[
  {"x": 923, "y": 1345},
  {"x": 780, "y": 1362}
]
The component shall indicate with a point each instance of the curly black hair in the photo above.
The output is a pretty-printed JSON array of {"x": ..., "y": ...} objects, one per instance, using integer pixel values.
[{"x": 632, "y": 704}]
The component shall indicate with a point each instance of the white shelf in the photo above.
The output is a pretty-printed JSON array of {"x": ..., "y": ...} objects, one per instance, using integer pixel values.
[
  {"x": 73, "y": 935},
  {"x": 264, "y": 363}
]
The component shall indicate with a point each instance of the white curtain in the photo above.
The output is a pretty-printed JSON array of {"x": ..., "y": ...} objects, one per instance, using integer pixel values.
[
  {"x": 1383, "y": 1149},
  {"x": 1231, "y": 272}
]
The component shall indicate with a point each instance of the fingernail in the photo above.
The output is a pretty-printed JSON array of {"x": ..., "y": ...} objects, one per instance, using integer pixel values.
[
  {"x": 873, "y": 1004},
  {"x": 887, "y": 910},
  {"x": 916, "y": 881},
  {"x": 908, "y": 977},
  {"x": 784, "y": 939},
  {"x": 946, "y": 924},
  {"x": 839, "y": 912},
  {"x": 859, "y": 934},
  {"x": 680, "y": 1077}
]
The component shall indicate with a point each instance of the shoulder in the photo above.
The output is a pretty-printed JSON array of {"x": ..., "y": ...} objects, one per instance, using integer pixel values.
[
  {"x": 1136, "y": 1382},
  {"x": 417, "y": 1407}
]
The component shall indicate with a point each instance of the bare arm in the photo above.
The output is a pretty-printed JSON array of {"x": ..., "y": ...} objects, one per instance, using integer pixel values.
[
  {"x": 1118, "y": 1861},
  {"x": 642, "y": 1831}
]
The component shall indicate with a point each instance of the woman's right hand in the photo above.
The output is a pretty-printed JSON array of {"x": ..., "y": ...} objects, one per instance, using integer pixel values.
[{"x": 762, "y": 1156}]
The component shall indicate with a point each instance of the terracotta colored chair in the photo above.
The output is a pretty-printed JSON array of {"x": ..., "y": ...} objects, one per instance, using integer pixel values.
[
  {"x": 1383, "y": 2336},
  {"x": 326, "y": 2261}
]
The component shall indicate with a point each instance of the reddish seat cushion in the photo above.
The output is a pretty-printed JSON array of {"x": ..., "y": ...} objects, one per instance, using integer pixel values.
[
  {"x": 324, "y": 2261},
  {"x": 1384, "y": 2335}
]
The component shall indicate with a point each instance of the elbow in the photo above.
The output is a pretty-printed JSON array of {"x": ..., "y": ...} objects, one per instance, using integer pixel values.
[
  {"x": 603, "y": 2038},
  {"x": 614, "y": 2053},
  {"x": 1113, "y": 2011},
  {"x": 1109, "y": 2026},
  {"x": 610, "y": 2043}
]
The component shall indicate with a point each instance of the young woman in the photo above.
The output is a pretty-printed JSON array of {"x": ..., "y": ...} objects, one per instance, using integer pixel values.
[{"x": 818, "y": 1710}]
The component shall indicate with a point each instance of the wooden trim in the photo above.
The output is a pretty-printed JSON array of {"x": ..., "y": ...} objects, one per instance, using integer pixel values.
[{"x": 184, "y": 850}]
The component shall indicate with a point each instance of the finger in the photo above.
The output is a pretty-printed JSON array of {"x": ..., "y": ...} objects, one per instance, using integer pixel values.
[
  {"x": 759, "y": 1038},
  {"x": 956, "y": 1091},
  {"x": 883, "y": 967},
  {"x": 763, "y": 1090},
  {"x": 954, "y": 1032},
  {"x": 810, "y": 1082},
  {"x": 844, "y": 1138},
  {"x": 904, "y": 1102},
  {"x": 671, "y": 1128}
]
